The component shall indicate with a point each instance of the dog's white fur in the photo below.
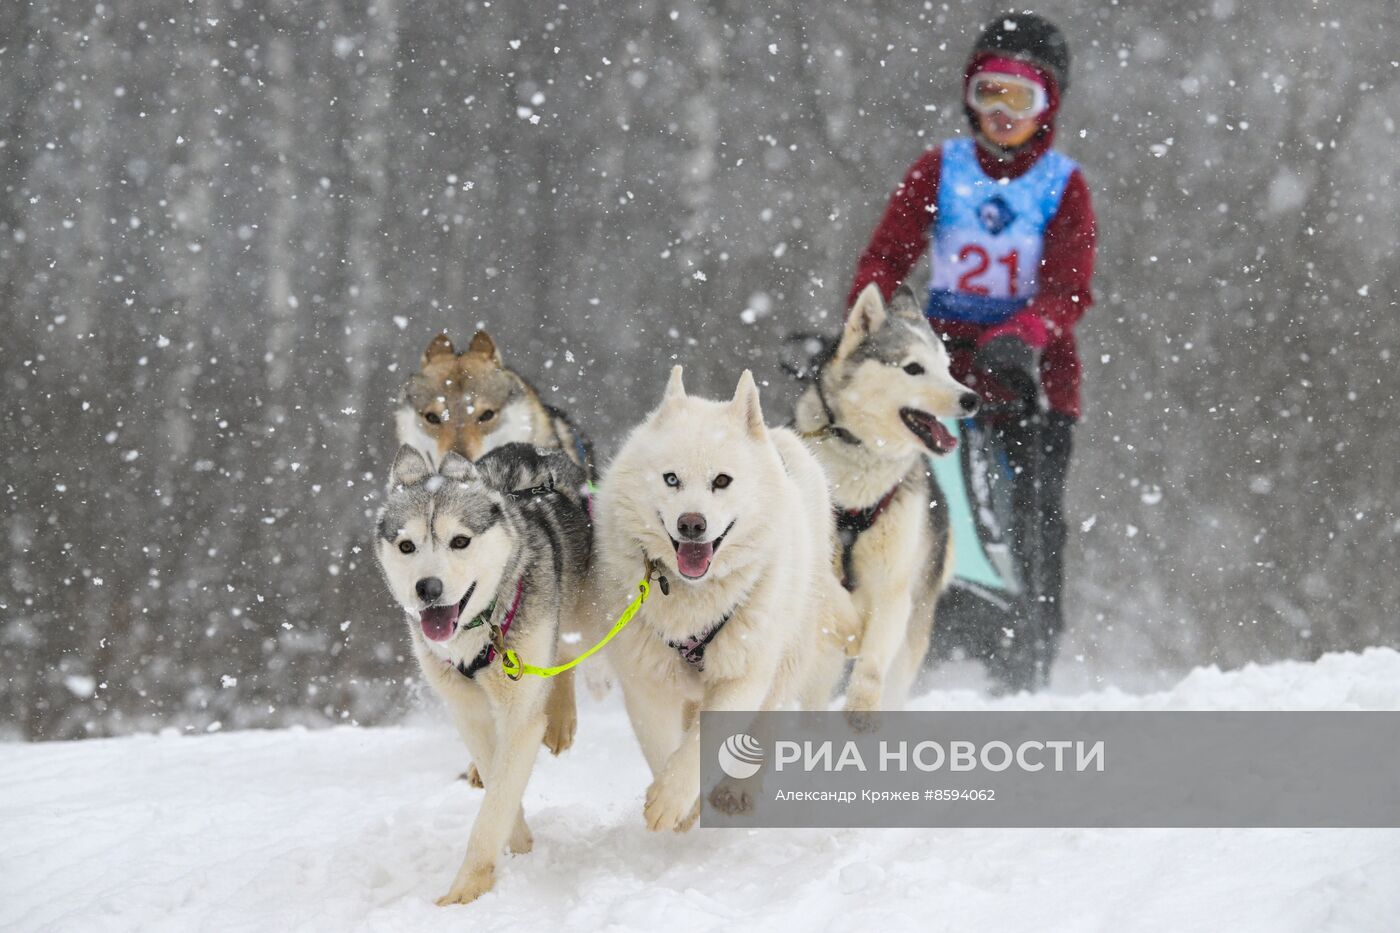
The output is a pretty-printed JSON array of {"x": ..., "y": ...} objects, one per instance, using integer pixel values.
[
  {"x": 781, "y": 646},
  {"x": 900, "y": 568}
]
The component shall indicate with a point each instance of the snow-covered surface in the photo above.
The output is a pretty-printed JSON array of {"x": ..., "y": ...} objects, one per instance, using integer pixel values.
[{"x": 362, "y": 828}]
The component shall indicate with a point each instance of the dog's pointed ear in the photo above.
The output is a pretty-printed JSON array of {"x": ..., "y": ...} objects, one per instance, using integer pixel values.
[
  {"x": 905, "y": 304},
  {"x": 439, "y": 348},
  {"x": 867, "y": 316},
  {"x": 675, "y": 386},
  {"x": 455, "y": 466},
  {"x": 410, "y": 467},
  {"x": 483, "y": 345},
  {"x": 747, "y": 405}
]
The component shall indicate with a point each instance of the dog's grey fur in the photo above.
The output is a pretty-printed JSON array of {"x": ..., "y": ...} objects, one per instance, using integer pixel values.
[
  {"x": 901, "y": 562},
  {"x": 518, "y": 509}
]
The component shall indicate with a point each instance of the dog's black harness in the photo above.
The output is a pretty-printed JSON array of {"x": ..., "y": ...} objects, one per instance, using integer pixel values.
[
  {"x": 482, "y": 659},
  {"x": 488, "y": 654},
  {"x": 832, "y": 429},
  {"x": 692, "y": 649},
  {"x": 532, "y": 492},
  {"x": 850, "y": 525},
  {"x": 812, "y": 372}
]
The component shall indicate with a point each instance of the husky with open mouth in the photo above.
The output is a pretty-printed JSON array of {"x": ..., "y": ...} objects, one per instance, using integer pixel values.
[
  {"x": 736, "y": 517},
  {"x": 470, "y": 402},
  {"x": 872, "y": 414},
  {"x": 482, "y": 556}
]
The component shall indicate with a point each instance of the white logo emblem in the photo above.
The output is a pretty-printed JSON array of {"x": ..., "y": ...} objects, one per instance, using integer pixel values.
[{"x": 740, "y": 756}]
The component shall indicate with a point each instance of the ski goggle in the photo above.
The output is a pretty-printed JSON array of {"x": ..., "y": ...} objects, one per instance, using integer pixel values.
[{"x": 1017, "y": 97}]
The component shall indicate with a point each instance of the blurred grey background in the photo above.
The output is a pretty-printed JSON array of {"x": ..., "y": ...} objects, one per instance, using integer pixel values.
[{"x": 227, "y": 229}]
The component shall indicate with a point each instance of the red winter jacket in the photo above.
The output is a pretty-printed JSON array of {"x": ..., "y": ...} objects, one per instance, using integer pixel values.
[{"x": 1066, "y": 267}]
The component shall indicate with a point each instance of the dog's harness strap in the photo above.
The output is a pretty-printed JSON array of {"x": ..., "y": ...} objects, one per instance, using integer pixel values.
[
  {"x": 831, "y": 428},
  {"x": 851, "y": 524},
  {"x": 498, "y": 634},
  {"x": 532, "y": 492},
  {"x": 481, "y": 618},
  {"x": 692, "y": 649}
]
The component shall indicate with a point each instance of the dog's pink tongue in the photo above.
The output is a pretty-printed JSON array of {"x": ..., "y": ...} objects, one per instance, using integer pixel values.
[
  {"x": 439, "y": 622},
  {"x": 943, "y": 438},
  {"x": 694, "y": 559}
]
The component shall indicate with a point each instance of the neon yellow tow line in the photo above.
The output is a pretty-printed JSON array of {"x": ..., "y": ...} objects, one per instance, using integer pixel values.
[{"x": 515, "y": 668}]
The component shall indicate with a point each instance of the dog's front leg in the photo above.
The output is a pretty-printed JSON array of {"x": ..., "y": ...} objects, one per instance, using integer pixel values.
[
  {"x": 561, "y": 713},
  {"x": 517, "y": 744},
  {"x": 673, "y": 800},
  {"x": 656, "y": 718},
  {"x": 885, "y": 626}
]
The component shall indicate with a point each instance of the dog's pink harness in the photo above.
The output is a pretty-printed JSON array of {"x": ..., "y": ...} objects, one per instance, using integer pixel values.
[{"x": 488, "y": 654}]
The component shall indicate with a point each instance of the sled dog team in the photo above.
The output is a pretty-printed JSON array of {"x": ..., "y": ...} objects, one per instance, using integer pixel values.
[{"x": 767, "y": 555}]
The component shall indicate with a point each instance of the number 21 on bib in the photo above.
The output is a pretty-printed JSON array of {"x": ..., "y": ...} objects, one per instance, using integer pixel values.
[{"x": 988, "y": 234}]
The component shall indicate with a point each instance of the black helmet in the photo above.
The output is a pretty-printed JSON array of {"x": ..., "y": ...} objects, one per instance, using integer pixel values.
[{"x": 1030, "y": 38}]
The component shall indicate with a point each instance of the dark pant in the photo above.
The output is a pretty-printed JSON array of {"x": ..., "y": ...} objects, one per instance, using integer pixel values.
[{"x": 1038, "y": 449}]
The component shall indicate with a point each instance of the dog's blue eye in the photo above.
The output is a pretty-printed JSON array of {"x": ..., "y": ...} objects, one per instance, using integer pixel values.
[
  {"x": 723, "y": 480},
  {"x": 406, "y": 547},
  {"x": 459, "y": 542},
  {"x": 672, "y": 480},
  {"x": 914, "y": 369}
]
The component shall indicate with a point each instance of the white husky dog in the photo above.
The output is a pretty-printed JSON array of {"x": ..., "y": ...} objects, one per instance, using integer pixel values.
[
  {"x": 739, "y": 520},
  {"x": 873, "y": 411}
]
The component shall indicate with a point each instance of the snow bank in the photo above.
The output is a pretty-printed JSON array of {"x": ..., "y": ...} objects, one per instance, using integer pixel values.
[{"x": 362, "y": 828}]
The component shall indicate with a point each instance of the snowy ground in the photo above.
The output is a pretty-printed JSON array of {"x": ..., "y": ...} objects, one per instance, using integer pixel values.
[{"x": 362, "y": 828}]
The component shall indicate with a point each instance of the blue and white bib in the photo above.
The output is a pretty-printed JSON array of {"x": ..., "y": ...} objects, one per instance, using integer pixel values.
[{"x": 988, "y": 235}]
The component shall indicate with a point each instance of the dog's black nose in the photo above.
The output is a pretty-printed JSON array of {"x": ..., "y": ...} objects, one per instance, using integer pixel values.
[
  {"x": 691, "y": 526},
  {"x": 970, "y": 402},
  {"x": 429, "y": 589}
]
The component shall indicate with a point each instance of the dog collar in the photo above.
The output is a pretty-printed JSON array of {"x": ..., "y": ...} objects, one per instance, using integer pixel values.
[
  {"x": 831, "y": 429},
  {"x": 481, "y": 617},
  {"x": 851, "y": 524},
  {"x": 488, "y": 654}
]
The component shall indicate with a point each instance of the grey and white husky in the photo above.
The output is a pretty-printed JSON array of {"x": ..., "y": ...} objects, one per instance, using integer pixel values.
[
  {"x": 479, "y": 554},
  {"x": 872, "y": 414}
]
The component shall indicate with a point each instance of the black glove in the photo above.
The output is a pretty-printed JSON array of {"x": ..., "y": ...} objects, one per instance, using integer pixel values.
[{"x": 1013, "y": 363}]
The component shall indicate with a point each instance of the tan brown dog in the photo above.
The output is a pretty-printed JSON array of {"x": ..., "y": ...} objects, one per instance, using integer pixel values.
[{"x": 470, "y": 403}]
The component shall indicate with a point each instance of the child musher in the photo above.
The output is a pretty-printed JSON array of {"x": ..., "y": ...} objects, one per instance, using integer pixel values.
[{"x": 1013, "y": 238}]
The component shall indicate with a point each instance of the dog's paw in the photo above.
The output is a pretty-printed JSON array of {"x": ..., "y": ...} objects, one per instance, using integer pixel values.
[
  {"x": 559, "y": 733},
  {"x": 863, "y": 705},
  {"x": 597, "y": 681},
  {"x": 468, "y": 887},
  {"x": 863, "y": 720},
  {"x": 471, "y": 776},
  {"x": 669, "y": 802},
  {"x": 685, "y": 825},
  {"x": 731, "y": 799}
]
